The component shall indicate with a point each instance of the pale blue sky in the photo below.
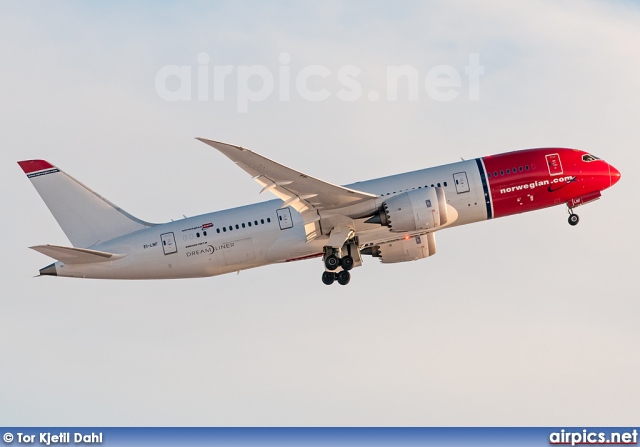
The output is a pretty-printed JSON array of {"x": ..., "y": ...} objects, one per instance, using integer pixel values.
[{"x": 518, "y": 321}]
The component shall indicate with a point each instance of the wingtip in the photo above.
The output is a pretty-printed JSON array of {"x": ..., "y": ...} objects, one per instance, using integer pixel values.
[{"x": 219, "y": 144}]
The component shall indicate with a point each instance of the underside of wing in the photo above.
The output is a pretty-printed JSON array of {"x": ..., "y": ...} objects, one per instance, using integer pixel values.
[
  {"x": 70, "y": 255},
  {"x": 300, "y": 191}
]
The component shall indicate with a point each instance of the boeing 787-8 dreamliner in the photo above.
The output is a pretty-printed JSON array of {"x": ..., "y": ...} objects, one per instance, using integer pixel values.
[{"x": 392, "y": 218}]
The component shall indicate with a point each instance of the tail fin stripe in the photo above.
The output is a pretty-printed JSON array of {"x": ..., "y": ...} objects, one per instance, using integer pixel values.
[
  {"x": 38, "y": 174},
  {"x": 29, "y": 166}
]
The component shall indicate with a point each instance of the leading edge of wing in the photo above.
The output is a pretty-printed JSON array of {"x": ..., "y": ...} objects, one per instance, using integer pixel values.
[{"x": 295, "y": 188}]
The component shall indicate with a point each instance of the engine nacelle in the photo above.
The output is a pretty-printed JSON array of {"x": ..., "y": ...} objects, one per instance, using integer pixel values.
[
  {"x": 420, "y": 209},
  {"x": 404, "y": 250}
]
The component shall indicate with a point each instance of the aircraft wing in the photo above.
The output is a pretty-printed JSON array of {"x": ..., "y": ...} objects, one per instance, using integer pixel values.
[
  {"x": 70, "y": 255},
  {"x": 298, "y": 190}
]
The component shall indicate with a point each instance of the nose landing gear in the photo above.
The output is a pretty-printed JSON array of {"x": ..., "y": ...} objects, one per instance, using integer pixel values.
[{"x": 573, "y": 218}]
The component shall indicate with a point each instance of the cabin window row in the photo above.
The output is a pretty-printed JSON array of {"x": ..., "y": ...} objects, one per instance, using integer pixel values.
[
  {"x": 439, "y": 185},
  {"x": 508, "y": 171},
  {"x": 243, "y": 225}
]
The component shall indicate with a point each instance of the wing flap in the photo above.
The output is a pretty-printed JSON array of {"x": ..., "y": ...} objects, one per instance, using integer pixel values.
[{"x": 70, "y": 255}]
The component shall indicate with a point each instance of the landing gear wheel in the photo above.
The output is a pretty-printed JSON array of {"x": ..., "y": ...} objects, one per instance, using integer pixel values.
[
  {"x": 573, "y": 219},
  {"x": 344, "y": 277},
  {"x": 328, "y": 278},
  {"x": 332, "y": 262},
  {"x": 346, "y": 262}
]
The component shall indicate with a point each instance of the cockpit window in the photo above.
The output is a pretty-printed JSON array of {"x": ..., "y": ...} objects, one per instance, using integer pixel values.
[{"x": 589, "y": 157}]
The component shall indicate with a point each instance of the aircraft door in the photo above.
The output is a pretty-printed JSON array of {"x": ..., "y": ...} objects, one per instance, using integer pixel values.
[
  {"x": 168, "y": 243},
  {"x": 461, "y": 181},
  {"x": 554, "y": 164},
  {"x": 284, "y": 218}
]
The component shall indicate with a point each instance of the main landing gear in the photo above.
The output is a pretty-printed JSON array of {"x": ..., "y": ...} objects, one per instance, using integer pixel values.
[
  {"x": 573, "y": 218},
  {"x": 333, "y": 262},
  {"x": 343, "y": 277}
]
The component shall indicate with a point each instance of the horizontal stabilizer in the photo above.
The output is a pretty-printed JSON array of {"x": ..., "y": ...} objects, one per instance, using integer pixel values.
[{"x": 70, "y": 255}]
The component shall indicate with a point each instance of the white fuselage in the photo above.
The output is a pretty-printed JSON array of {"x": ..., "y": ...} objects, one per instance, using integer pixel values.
[{"x": 264, "y": 233}]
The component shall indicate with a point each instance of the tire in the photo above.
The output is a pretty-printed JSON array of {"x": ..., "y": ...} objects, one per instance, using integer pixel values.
[
  {"x": 347, "y": 262},
  {"x": 573, "y": 220},
  {"x": 328, "y": 278},
  {"x": 332, "y": 262},
  {"x": 344, "y": 277}
]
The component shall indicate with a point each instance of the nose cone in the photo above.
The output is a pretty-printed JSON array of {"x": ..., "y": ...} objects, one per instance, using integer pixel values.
[{"x": 614, "y": 175}]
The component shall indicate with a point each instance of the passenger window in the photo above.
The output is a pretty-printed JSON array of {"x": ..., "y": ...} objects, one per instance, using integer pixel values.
[
  {"x": 445, "y": 184},
  {"x": 520, "y": 168},
  {"x": 197, "y": 234},
  {"x": 495, "y": 173},
  {"x": 249, "y": 223},
  {"x": 230, "y": 227},
  {"x": 217, "y": 230},
  {"x": 224, "y": 229},
  {"x": 526, "y": 167},
  {"x": 268, "y": 220},
  {"x": 508, "y": 171},
  {"x": 255, "y": 222},
  {"x": 438, "y": 185},
  {"x": 204, "y": 233},
  {"x": 489, "y": 174},
  {"x": 237, "y": 227},
  {"x": 243, "y": 225},
  {"x": 501, "y": 172},
  {"x": 262, "y": 221}
]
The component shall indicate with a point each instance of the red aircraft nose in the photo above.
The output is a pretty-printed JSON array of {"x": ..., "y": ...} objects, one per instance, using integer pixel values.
[{"x": 614, "y": 175}]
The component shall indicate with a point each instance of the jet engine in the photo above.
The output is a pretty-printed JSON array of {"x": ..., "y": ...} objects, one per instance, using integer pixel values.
[
  {"x": 420, "y": 209},
  {"x": 404, "y": 250}
]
